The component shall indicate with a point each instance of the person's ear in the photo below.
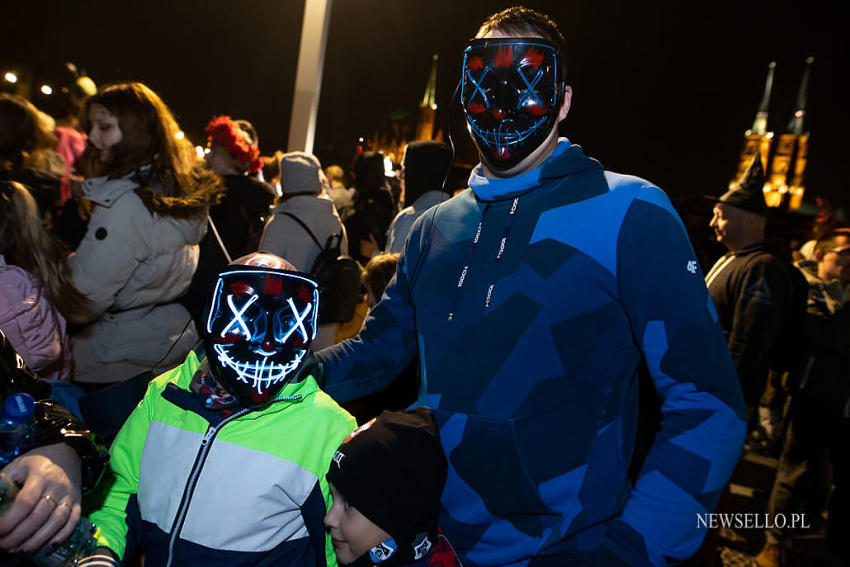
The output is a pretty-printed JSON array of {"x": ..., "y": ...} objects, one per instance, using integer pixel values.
[{"x": 565, "y": 102}]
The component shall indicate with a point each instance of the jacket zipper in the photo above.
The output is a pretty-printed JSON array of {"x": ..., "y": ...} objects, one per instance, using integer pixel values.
[{"x": 200, "y": 459}]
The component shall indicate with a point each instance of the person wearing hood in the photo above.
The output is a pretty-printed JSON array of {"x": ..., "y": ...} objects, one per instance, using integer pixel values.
[
  {"x": 532, "y": 299},
  {"x": 424, "y": 168},
  {"x": 374, "y": 207},
  {"x": 150, "y": 204},
  {"x": 301, "y": 183},
  {"x": 303, "y": 223}
]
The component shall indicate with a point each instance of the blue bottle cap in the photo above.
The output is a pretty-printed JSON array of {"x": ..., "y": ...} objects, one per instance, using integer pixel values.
[{"x": 18, "y": 408}]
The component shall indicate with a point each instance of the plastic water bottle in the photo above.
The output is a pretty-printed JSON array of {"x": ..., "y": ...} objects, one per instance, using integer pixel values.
[{"x": 17, "y": 427}]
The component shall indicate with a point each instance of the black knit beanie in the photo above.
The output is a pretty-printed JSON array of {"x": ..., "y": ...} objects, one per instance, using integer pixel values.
[{"x": 393, "y": 471}]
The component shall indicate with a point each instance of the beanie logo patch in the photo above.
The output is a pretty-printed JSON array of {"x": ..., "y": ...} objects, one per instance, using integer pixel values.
[
  {"x": 383, "y": 551},
  {"x": 421, "y": 546},
  {"x": 338, "y": 459}
]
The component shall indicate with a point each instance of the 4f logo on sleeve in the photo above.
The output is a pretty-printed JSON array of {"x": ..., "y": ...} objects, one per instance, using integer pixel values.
[
  {"x": 692, "y": 266},
  {"x": 338, "y": 459}
]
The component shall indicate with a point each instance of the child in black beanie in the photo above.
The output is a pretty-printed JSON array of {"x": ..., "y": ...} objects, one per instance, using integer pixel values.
[{"x": 386, "y": 480}]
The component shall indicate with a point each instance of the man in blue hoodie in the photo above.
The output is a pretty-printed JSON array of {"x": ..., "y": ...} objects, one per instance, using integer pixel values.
[{"x": 532, "y": 299}]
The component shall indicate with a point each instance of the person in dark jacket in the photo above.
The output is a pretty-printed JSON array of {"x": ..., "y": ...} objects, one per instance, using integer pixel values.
[
  {"x": 754, "y": 290},
  {"x": 374, "y": 208},
  {"x": 819, "y": 429},
  {"x": 65, "y": 462},
  {"x": 237, "y": 221},
  {"x": 424, "y": 169},
  {"x": 26, "y": 152}
]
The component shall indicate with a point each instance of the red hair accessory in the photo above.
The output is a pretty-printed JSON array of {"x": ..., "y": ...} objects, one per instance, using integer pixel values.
[{"x": 224, "y": 131}]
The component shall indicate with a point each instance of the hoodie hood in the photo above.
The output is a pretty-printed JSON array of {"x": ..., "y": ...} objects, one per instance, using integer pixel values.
[
  {"x": 426, "y": 165},
  {"x": 567, "y": 159}
]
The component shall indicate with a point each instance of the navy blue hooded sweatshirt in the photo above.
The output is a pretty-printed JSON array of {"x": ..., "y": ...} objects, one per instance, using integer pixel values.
[{"x": 531, "y": 302}]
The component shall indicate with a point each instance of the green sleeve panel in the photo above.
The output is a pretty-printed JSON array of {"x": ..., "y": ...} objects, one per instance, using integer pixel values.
[{"x": 125, "y": 461}]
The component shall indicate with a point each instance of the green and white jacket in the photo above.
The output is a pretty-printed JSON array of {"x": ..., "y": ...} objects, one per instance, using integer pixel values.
[{"x": 192, "y": 488}]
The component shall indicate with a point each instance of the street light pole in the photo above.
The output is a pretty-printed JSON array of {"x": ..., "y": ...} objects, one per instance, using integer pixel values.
[{"x": 308, "y": 76}]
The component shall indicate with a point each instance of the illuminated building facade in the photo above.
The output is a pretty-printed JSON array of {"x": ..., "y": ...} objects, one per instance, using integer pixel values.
[{"x": 786, "y": 163}]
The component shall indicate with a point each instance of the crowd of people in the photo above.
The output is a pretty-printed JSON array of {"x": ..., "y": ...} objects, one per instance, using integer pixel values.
[{"x": 582, "y": 389}]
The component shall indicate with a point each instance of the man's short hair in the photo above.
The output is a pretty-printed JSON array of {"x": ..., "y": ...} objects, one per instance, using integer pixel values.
[
  {"x": 828, "y": 239},
  {"x": 521, "y": 21}
]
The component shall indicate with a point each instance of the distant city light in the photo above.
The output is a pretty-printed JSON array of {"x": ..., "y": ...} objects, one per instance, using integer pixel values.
[
  {"x": 799, "y": 113},
  {"x": 179, "y": 135},
  {"x": 45, "y": 89},
  {"x": 207, "y": 151},
  {"x": 200, "y": 152},
  {"x": 11, "y": 77}
]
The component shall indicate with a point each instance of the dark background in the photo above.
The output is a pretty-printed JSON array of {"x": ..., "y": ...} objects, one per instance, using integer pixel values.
[{"x": 663, "y": 90}]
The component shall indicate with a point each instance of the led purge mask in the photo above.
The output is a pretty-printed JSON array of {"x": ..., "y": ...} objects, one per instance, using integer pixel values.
[
  {"x": 511, "y": 96},
  {"x": 259, "y": 327}
]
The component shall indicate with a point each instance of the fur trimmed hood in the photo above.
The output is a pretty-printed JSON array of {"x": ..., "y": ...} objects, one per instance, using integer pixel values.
[{"x": 205, "y": 190}]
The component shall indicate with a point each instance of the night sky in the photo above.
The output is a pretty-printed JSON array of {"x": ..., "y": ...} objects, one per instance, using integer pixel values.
[{"x": 663, "y": 90}]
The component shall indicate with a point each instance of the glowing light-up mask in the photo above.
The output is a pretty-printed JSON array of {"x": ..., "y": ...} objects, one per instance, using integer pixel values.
[
  {"x": 511, "y": 96},
  {"x": 259, "y": 327}
]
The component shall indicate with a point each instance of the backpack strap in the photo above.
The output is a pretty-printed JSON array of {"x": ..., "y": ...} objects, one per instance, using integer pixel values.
[
  {"x": 305, "y": 227},
  {"x": 219, "y": 240},
  {"x": 310, "y": 232}
]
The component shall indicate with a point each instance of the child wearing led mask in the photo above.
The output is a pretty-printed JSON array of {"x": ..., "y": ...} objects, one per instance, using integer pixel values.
[
  {"x": 223, "y": 462},
  {"x": 386, "y": 480}
]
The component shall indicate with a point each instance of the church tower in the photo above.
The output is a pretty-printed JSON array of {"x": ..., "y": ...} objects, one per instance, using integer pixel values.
[
  {"x": 428, "y": 108},
  {"x": 757, "y": 138},
  {"x": 789, "y": 157},
  {"x": 797, "y": 186}
]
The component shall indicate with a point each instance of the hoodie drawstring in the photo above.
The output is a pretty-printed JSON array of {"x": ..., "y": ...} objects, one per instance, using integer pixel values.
[{"x": 464, "y": 273}]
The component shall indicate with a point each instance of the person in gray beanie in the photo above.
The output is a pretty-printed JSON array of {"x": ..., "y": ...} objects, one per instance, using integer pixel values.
[
  {"x": 302, "y": 218},
  {"x": 301, "y": 183}
]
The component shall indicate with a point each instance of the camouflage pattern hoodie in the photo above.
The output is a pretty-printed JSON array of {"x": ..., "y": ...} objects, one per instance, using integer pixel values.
[{"x": 531, "y": 302}]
